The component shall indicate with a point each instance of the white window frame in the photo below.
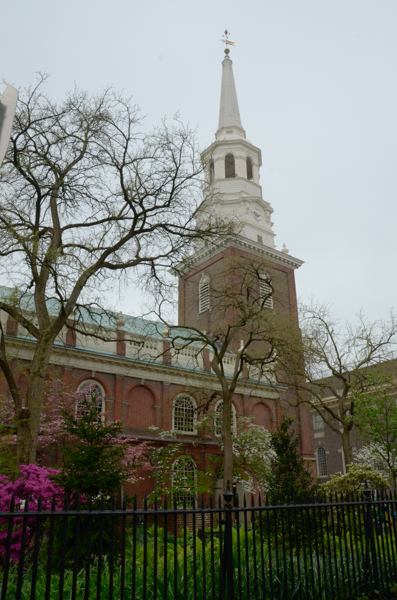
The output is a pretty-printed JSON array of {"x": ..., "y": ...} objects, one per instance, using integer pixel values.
[
  {"x": 179, "y": 501},
  {"x": 194, "y": 405},
  {"x": 316, "y": 423},
  {"x": 204, "y": 294},
  {"x": 318, "y": 462},
  {"x": 88, "y": 382},
  {"x": 265, "y": 289},
  {"x": 218, "y": 430}
]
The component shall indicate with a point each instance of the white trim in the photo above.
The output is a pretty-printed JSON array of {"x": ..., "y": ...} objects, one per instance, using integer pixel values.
[
  {"x": 324, "y": 460},
  {"x": 234, "y": 419},
  {"x": 88, "y": 382},
  {"x": 194, "y": 470},
  {"x": 194, "y": 404}
]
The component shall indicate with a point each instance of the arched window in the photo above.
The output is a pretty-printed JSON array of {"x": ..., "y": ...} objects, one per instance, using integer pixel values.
[
  {"x": 219, "y": 418},
  {"x": 184, "y": 480},
  {"x": 184, "y": 415},
  {"x": 265, "y": 290},
  {"x": 212, "y": 171},
  {"x": 230, "y": 169},
  {"x": 97, "y": 390},
  {"x": 204, "y": 294},
  {"x": 249, "y": 169},
  {"x": 322, "y": 462}
]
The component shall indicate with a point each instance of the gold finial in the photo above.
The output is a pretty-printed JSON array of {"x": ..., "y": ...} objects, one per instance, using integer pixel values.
[{"x": 225, "y": 40}]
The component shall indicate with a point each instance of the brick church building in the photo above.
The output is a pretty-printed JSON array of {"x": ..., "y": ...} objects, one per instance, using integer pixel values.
[{"x": 145, "y": 380}]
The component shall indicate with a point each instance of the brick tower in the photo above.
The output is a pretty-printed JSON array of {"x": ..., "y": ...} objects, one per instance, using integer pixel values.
[{"x": 233, "y": 190}]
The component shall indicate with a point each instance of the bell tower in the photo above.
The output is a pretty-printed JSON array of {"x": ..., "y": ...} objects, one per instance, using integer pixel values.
[{"x": 233, "y": 191}]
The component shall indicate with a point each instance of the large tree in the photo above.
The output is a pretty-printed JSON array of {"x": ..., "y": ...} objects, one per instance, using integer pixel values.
[
  {"x": 340, "y": 363},
  {"x": 86, "y": 197}
]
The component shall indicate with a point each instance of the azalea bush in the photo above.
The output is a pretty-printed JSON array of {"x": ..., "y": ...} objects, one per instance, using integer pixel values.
[{"x": 35, "y": 486}]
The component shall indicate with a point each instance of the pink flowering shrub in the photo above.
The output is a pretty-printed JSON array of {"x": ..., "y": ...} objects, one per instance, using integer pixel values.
[{"x": 34, "y": 481}]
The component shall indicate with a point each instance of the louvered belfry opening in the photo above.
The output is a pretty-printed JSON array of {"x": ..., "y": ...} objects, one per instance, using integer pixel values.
[
  {"x": 204, "y": 294},
  {"x": 266, "y": 291}
]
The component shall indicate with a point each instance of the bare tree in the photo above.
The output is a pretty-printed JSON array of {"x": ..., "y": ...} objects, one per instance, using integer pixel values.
[
  {"x": 87, "y": 197},
  {"x": 246, "y": 335},
  {"x": 340, "y": 363}
]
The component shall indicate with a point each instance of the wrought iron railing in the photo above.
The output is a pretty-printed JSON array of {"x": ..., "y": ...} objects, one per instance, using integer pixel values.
[{"x": 307, "y": 549}]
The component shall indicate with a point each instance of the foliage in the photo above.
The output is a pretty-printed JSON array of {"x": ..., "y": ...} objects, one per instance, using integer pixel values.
[
  {"x": 96, "y": 460},
  {"x": 376, "y": 419},
  {"x": 193, "y": 566},
  {"x": 354, "y": 480},
  {"x": 288, "y": 475},
  {"x": 338, "y": 363},
  {"x": 253, "y": 454},
  {"x": 88, "y": 199},
  {"x": 35, "y": 482},
  {"x": 162, "y": 458}
]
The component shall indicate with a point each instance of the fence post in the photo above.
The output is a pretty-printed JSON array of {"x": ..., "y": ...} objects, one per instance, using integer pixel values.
[
  {"x": 227, "y": 571},
  {"x": 370, "y": 540}
]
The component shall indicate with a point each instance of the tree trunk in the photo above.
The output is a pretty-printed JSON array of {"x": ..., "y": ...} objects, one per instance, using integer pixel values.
[
  {"x": 347, "y": 446},
  {"x": 227, "y": 443},
  {"x": 28, "y": 420}
]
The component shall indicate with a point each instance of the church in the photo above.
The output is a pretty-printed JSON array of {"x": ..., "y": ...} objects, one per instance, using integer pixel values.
[{"x": 148, "y": 382}]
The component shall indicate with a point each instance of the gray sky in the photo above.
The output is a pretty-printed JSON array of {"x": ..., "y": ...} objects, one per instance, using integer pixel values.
[{"x": 316, "y": 82}]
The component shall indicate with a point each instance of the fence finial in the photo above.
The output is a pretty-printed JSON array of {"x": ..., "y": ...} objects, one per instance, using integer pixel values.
[{"x": 228, "y": 495}]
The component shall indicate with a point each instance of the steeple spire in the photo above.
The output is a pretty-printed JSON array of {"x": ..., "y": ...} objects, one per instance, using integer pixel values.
[{"x": 229, "y": 114}]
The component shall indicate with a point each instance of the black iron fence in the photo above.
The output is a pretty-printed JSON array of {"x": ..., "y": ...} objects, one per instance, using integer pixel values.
[{"x": 307, "y": 550}]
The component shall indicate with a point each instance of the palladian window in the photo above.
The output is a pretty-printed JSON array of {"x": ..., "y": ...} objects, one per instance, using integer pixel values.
[{"x": 230, "y": 169}]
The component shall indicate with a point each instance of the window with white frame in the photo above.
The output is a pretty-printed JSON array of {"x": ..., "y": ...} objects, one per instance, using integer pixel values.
[
  {"x": 218, "y": 419},
  {"x": 184, "y": 478},
  {"x": 184, "y": 415},
  {"x": 322, "y": 470},
  {"x": 318, "y": 421},
  {"x": 95, "y": 390},
  {"x": 204, "y": 294},
  {"x": 265, "y": 290}
]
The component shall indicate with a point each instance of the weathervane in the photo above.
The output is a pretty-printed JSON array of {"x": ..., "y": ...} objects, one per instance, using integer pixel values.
[{"x": 225, "y": 40}]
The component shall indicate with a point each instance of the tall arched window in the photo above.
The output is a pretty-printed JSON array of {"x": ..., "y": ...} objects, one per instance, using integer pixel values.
[
  {"x": 97, "y": 390},
  {"x": 322, "y": 462},
  {"x": 212, "y": 171},
  {"x": 184, "y": 480},
  {"x": 265, "y": 290},
  {"x": 230, "y": 169},
  {"x": 218, "y": 419},
  {"x": 184, "y": 415},
  {"x": 249, "y": 168},
  {"x": 204, "y": 294}
]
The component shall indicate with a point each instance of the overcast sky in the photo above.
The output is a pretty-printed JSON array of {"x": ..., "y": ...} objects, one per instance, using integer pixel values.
[{"x": 316, "y": 83}]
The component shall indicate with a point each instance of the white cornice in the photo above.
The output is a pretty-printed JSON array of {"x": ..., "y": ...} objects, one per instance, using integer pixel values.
[
  {"x": 242, "y": 243},
  {"x": 128, "y": 367}
]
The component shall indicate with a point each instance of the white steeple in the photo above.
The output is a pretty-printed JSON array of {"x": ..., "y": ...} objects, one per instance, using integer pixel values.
[
  {"x": 232, "y": 170},
  {"x": 229, "y": 114}
]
